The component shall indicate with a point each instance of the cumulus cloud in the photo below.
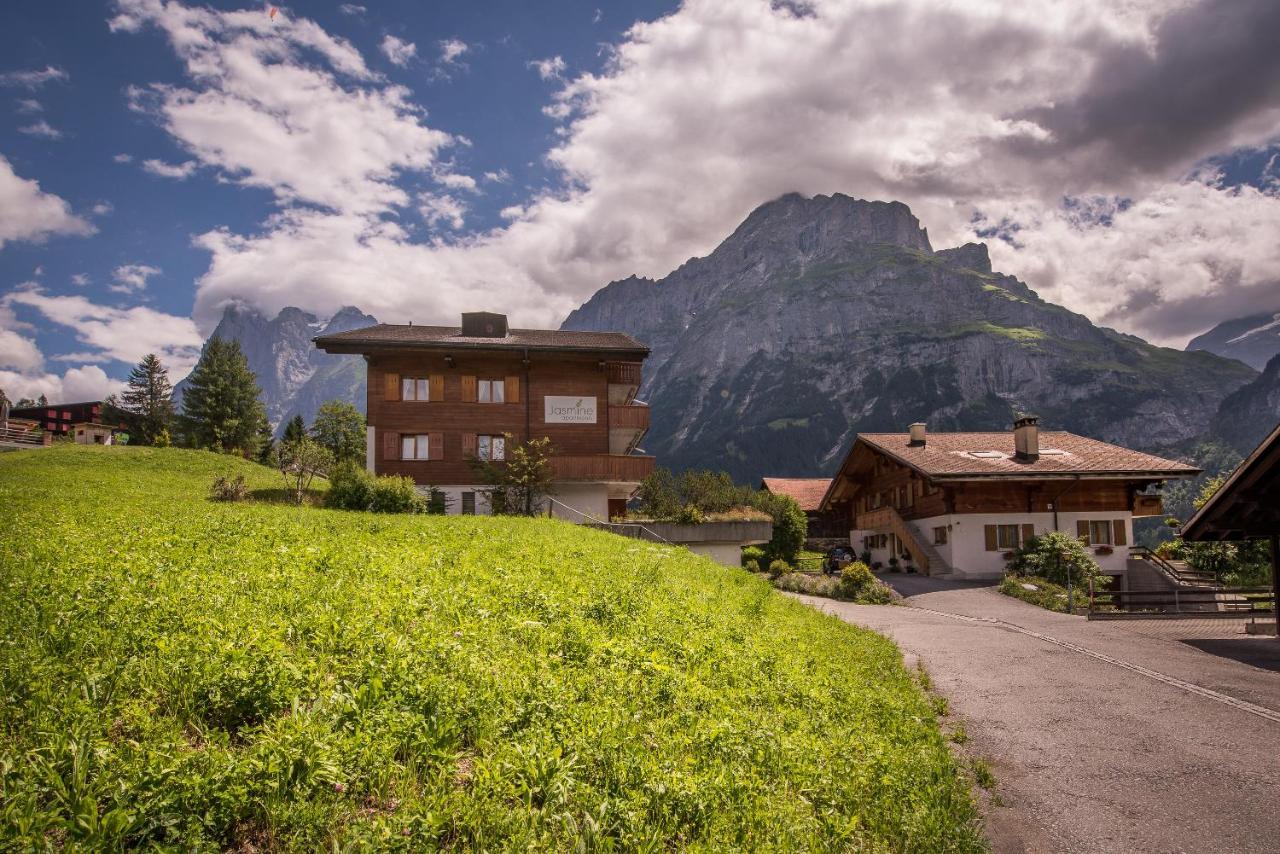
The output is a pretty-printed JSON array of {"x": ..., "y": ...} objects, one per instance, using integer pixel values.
[
  {"x": 41, "y": 129},
  {"x": 28, "y": 213},
  {"x": 451, "y": 50},
  {"x": 131, "y": 278},
  {"x": 121, "y": 334},
  {"x": 17, "y": 352},
  {"x": 398, "y": 51},
  {"x": 177, "y": 171},
  {"x": 34, "y": 78},
  {"x": 551, "y": 68},
  {"x": 983, "y": 117},
  {"x": 88, "y": 382}
]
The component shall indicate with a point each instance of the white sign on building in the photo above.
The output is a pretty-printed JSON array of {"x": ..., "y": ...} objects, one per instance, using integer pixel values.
[{"x": 569, "y": 410}]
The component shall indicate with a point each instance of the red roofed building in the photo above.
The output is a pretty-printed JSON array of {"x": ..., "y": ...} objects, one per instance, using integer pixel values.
[
  {"x": 808, "y": 492},
  {"x": 961, "y": 503}
]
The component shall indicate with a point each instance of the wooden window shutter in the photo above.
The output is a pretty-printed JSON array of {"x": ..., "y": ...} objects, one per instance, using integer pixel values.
[
  {"x": 435, "y": 387},
  {"x": 468, "y": 389},
  {"x": 391, "y": 446},
  {"x": 435, "y": 446},
  {"x": 391, "y": 391},
  {"x": 1082, "y": 530},
  {"x": 468, "y": 444},
  {"x": 990, "y": 532},
  {"x": 1118, "y": 527},
  {"x": 1028, "y": 531},
  {"x": 513, "y": 389}
]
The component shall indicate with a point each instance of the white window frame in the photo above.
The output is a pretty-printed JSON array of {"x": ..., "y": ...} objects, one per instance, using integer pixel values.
[
  {"x": 491, "y": 447},
  {"x": 1002, "y": 542},
  {"x": 415, "y": 446},
  {"x": 491, "y": 391},
  {"x": 415, "y": 389},
  {"x": 1105, "y": 525}
]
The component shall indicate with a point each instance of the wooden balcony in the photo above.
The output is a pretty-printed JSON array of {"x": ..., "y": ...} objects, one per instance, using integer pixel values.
[
  {"x": 624, "y": 373},
  {"x": 601, "y": 468},
  {"x": 1148, "y": 505},
  {"x": 629, "y": 418}
]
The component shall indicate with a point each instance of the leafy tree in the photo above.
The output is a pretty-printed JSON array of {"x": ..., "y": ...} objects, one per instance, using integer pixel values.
[
  {"x": 220, "y": 408},
  {"x": 26, "y": 402},
  {"x": 299, "y": 462},
  {"x": 659, "y": 494},
  {"x": 295, "y": 430},
  {"x": 146, "y": 405},
  {"x": 1245, "y": 564},
  {"x": 790, "y": 525},
  {"x": 518, "y": 484},
  {"x": 340, "y": 427},
  {"x": 1052, "y": 556}
]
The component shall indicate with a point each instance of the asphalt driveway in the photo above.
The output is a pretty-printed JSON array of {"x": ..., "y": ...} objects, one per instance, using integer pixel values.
[{"x": 1103, "y": 736}]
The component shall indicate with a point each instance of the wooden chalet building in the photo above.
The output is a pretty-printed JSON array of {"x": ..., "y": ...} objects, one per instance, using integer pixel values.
[
  {"x": 960, "y": 503},
  {"x": 60, "y": 419},
  {"x": 808, "y": 492},
  {"x": 439, "y": 396}
]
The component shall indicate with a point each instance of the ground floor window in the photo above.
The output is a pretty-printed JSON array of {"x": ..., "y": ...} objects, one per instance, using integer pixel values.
[
  {"x": 1100, "y": 533},
  {"x": 1007, "y": 536},
  {"x": 940, "y": 536},
  {"x": 415, "y": 447},
  {"x": 468, "y": 504}
]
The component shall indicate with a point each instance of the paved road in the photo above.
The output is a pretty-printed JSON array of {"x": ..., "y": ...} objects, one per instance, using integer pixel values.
[{"x": 1151, "y": 744}]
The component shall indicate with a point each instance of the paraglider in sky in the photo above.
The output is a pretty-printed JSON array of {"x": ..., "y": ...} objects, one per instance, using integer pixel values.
[{"x": 274, "y": 11}]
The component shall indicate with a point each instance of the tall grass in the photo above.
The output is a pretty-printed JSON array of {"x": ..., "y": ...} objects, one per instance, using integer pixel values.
[{"x": 195, "y": 674}]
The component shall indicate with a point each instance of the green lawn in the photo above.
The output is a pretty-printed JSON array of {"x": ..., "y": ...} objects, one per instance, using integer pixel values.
[{"x": 182, "y": 673}]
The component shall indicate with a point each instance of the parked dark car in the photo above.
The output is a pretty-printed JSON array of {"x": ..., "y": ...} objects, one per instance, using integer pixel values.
[{"x": 837, "y": 559}]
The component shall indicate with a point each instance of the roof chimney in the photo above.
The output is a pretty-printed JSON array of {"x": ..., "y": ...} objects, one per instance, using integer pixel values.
[
  {"x": 483, "y": 324},
  {"x": 917, "y": 434},
  {"x": 1026, "y": 438}
]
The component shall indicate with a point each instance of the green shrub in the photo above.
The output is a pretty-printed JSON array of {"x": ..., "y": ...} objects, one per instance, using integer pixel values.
[
  {"x": 226, "y": 488},
  {"x": 392, "y": 494},
  {"x": 779, "y": 567},
  {"x": 752, "y": 565},
  {"x": 350, "y": 488},
  {"x": 1052, "y": 555},
  {"x": 752, "y": 553},
  {"x": 1045, "y": 594},
  {"x": 690, "y": 515},
  {"x": 856, "y": 578}
]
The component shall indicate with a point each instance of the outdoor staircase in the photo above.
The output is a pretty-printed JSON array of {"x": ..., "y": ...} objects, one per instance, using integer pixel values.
[
  {"x": 1174, "y": 586},
  {"x": 1178, "y": 572},
  {"x": 926, "y": 557}
]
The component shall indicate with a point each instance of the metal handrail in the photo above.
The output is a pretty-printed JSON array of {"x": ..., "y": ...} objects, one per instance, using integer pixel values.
[
  {"x": 1144, "y": 553},
  {"x": 598, "y": 521}
]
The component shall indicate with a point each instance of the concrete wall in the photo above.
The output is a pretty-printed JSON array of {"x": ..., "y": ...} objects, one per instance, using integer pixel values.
[
  {"x": 581, "y": 502},
  {"x": 965, "y": 551}
]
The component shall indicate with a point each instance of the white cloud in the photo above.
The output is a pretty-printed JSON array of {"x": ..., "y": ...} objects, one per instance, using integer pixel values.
[
  {"x": 131, "y": 278},
  {"x": 973, "y": 114},
  {"x": 456, "y": 181},
  {"x": 123, "y": 158},
  {"x": 80, "y": 279},
  {"x": 352, "y": 9},
  {"x": 42, "y": 129},
  {"x": 398, "y": 51},
  {"x": 178, "y": 171},
  {"x": 28, "y": 213},
  {"x": 266, "y": 115},
  {"x": 33, "y": 79},
  {"x": 18, "y": 352},
  {"x": 102, "y": 208},
  {"x": 502, "y": 176},
  {"x": 29, "y": 105},
  {"x": 123, "y": 334},
  {"x": 451, "y": 50},
  {"x": 88, "y": 382},
  {"x": 551, "y": 68}
]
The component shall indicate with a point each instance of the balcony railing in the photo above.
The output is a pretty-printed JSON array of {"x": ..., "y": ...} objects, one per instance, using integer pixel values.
[
  {"x": 628, "y": 418},
  {"x": 603, "y": 468},
  {"x": 624, "y": 373}
]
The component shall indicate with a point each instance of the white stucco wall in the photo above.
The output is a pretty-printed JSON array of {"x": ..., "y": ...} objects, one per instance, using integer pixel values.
[
  {"x": 453, "y": 497},
  {"x": 965, "y": 551},
  {"x": 580, "y": 501},
  {"x": 729, "y": 554}
]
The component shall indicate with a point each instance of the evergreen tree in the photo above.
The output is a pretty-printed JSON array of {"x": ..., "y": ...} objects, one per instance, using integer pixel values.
[
  {"x": 147, "y": 401},
  {"x": 340, "y": 427},
  {"x": 220, "y": 408},
  {"x": 294, "y": 431}
]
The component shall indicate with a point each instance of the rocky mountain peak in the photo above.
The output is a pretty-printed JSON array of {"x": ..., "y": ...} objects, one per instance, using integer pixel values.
[{"x": 821, "y": 225}]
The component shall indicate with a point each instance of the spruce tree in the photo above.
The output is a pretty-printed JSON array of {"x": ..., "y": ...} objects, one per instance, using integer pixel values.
[
  {"x": 220, "y": 408},
  {"x": 295, "y": 431},
  {"x": 147, "y": 401}
]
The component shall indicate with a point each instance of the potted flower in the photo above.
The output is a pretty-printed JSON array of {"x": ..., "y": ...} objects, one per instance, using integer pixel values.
[
  {"x": 893, "y": 564},
  {"x": 1102, "y": 550}
]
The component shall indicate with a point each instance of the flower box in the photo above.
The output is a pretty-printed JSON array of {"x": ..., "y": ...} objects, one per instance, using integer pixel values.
[{"x": 1102, "y": 550}]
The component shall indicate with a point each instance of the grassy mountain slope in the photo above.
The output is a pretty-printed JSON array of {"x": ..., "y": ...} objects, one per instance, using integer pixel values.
[{"x": 257, "y": 676}]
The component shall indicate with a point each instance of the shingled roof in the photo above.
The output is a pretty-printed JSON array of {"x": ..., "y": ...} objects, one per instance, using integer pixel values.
[
  {"x": 389, "y": 336},
  {"x": 968, "y": 455},
  {"x": 807, "y": 491}
]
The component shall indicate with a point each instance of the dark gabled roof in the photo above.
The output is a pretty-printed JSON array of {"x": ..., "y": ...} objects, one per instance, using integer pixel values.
[
  {"x": 807, "y": 491},
  {"x": 1247, "y": 505},
  {"x": 964, "y": 455},
  {"x": 389, "y": 336}
]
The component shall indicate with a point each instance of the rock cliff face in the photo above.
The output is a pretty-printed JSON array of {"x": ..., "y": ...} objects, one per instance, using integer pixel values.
[
  {"x": 1250, "y": 413},
  {"x": 294, "y": 376},
  {"x": 821, "y": 317},
  {"x": 1253, "y": 340}
]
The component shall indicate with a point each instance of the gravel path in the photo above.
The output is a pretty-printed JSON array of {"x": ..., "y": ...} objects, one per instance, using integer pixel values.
[{"x": 1103, "y": 736}]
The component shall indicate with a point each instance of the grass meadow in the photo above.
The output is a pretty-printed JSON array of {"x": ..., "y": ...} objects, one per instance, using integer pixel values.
[{"x": 185, "y": 674}]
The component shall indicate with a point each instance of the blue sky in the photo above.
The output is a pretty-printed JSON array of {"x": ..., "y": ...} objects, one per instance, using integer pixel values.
[{"x": 417, "y": 159}]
